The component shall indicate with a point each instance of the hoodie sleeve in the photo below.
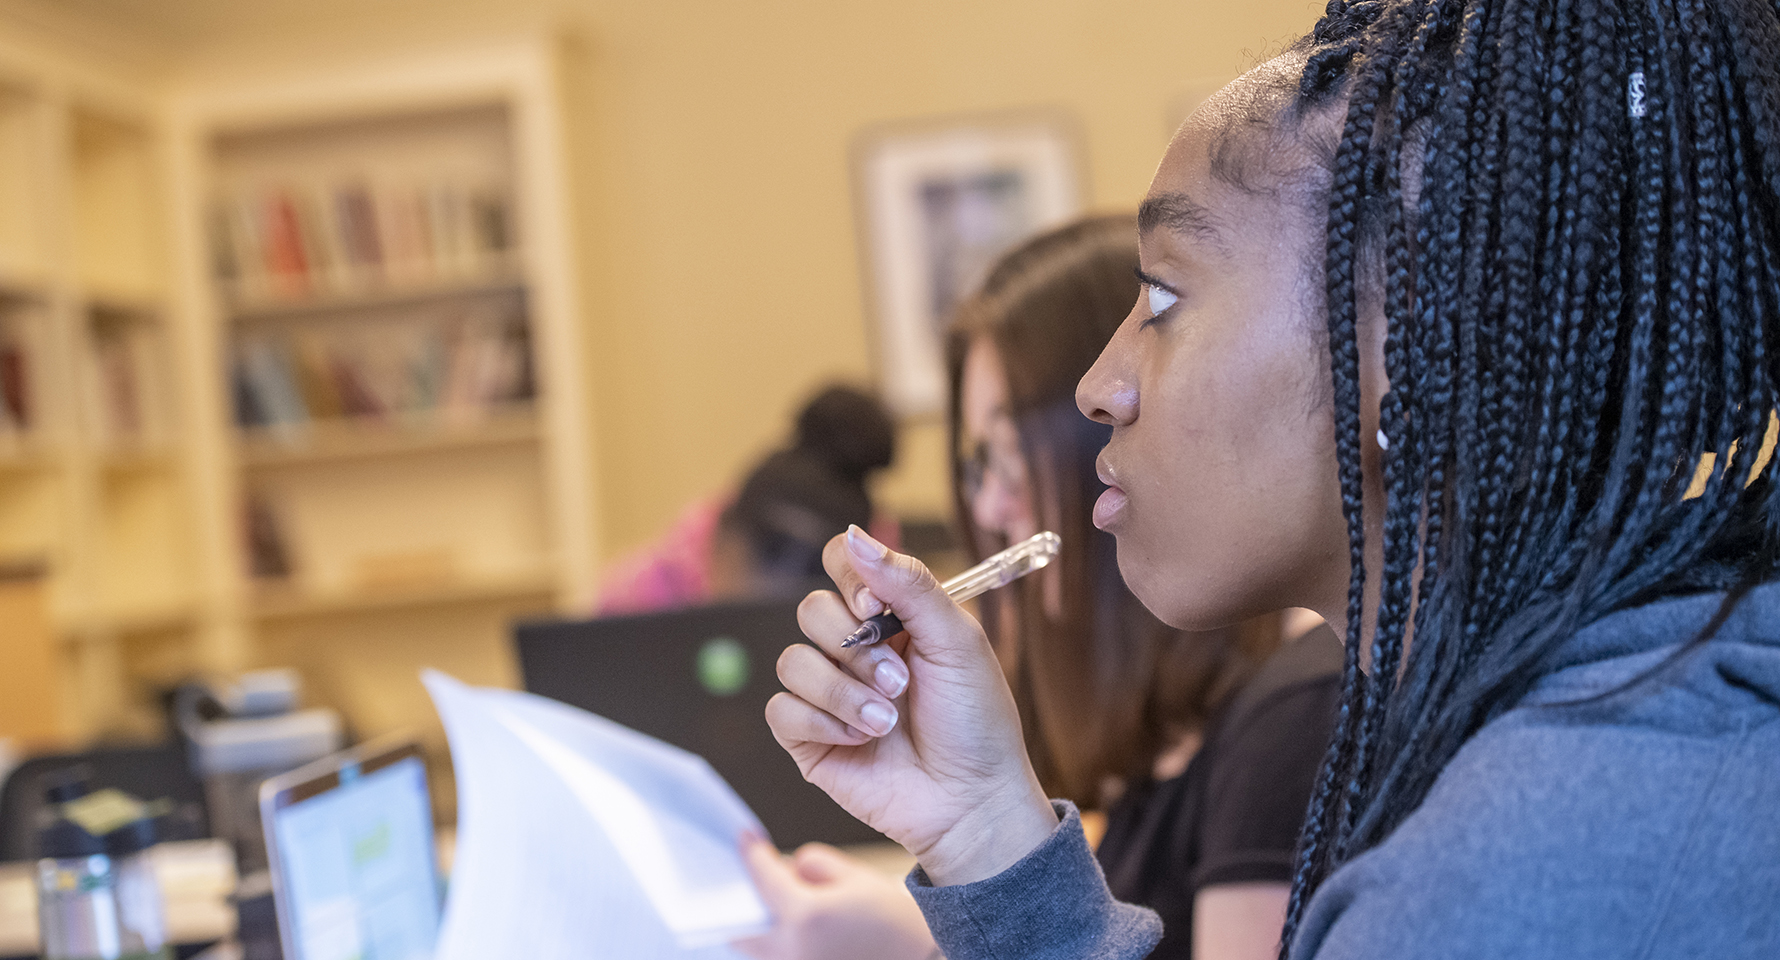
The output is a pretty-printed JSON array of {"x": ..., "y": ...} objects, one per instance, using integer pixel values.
[{"x": 1052, "y": 905}]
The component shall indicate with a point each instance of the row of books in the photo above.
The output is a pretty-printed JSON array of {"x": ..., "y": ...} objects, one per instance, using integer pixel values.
[
  {"x": 268, "y": 555},
  {"x": 293, "y": 242},
  {"x": 132, "y": 402},
  {"x": 125, "y": 382},
  {"x": 17, "y": 409},
  {"x": 457, "y": 368}
]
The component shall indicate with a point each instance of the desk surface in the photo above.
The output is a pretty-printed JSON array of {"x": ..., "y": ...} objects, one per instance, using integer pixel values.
[{"x": 198, "y": 876}]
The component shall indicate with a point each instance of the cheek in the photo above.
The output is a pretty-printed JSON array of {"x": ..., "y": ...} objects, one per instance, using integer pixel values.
[
  {"x": 1234, "y": 499},
  {"x": 1004, "y": 509}
]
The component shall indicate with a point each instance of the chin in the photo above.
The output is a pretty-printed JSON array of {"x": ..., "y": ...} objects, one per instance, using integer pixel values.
[
  {"x": 1165, "y": 593},
  {"x": 1150, "y": 585}
]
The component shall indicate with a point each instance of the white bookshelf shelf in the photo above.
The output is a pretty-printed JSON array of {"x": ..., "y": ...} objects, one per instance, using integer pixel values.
[
  {"x": 23, "y": 282},
  {"x": 142, "y": 460},
  {"x": 355, "y": 439},
  {"x": 149, "y": 619},
  {"x": 119, "y": 222},
  {"x": 502, "y": 279},
  {"x": 284, "y": 603},
  {"x": 93, "y": 456},
  {"x": 122, "y": 303},
  {"x": 25, "y": 454},
  {"x": 24, "y": 173}
]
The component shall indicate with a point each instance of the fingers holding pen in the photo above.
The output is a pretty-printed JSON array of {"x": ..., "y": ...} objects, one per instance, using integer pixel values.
[
  {"x": 872, "y": 575},
  {"x": 838, "y": 561},
  {"x": 795, "y": 724},
  {"x": 818, "y": 682},
  {"x": 826, "y": 619}
]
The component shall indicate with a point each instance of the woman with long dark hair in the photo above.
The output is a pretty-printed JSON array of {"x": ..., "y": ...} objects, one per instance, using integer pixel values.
[{"x": 1456, "y": 329}]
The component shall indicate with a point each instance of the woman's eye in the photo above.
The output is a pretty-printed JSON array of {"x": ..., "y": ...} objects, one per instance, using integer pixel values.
[{"x": 1160, "y": 300}]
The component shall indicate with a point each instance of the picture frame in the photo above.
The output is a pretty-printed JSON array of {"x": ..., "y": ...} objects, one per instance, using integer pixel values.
[{"x": 937, "y": 204}]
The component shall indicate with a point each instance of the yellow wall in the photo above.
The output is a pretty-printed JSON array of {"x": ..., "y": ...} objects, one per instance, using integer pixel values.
[
  {"x": 711, "y": 166},
  {"x": 722, "y": 264}
]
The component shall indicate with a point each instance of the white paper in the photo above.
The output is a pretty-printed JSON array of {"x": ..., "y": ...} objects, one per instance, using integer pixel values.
[{"x": 578, "y": 837}]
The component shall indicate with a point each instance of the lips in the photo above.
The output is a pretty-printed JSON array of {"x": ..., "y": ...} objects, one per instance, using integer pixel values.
[{"x": 1113, "y": 501}]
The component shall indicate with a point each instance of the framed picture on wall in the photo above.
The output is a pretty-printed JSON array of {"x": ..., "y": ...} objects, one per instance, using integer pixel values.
[{"x": 937, "y": 203}]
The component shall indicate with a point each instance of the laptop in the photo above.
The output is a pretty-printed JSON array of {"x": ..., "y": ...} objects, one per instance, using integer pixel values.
[
  {"x": 350, "y": 843},
  {"x": 698, "y": 679}
]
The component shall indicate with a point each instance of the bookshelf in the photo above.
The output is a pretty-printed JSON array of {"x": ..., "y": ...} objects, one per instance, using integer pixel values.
[
  {"x": 119, "y": 220},
  {"x": 377, "y": 265},
  {"x": 23, "y": 172},
  {"x": 291, "y": 373},
  {"x": 94, "y": 488}
]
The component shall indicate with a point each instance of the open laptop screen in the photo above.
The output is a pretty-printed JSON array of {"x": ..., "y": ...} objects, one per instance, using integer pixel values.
[{"x": 351, "y": 843}]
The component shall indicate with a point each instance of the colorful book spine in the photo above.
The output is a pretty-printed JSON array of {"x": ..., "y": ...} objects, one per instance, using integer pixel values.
[
  {"x": 294, "y": 241},
  {"x": 286, "y": 260},
  {"x": 16, "y": 411},
  {"x": 455, "y": 367}
]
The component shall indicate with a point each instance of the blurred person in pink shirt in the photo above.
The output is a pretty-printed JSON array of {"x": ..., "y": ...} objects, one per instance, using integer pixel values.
[{"x": 766, "y": 539}]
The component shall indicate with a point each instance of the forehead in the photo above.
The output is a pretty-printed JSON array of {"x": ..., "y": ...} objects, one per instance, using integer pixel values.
[{"x": 1237, "y": 155}]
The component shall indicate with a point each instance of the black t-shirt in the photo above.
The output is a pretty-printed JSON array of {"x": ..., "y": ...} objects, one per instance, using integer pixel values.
[{"x": 1233, "y": 815}]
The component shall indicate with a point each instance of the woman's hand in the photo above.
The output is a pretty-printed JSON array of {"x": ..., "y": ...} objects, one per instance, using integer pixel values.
[
  {"x": 826, "y": 904},
  {"x": 923, "y": 746}
]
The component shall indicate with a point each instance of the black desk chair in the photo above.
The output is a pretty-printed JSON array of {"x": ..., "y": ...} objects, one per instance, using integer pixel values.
[{"x": 146, "y": 772}]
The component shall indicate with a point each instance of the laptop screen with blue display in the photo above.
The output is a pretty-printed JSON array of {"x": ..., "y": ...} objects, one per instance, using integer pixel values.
[{"x": 353, "y": 861}]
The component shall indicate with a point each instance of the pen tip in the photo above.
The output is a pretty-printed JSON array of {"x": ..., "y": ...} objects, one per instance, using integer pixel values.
[{"x": 866, "y": 633}]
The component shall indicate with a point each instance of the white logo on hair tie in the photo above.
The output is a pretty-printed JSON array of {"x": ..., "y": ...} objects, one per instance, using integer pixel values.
[{"x": 1634, "y": 95}]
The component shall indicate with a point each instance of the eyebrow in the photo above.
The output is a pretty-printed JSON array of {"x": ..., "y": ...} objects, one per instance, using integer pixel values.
[{"x": 1180, "y": 214}]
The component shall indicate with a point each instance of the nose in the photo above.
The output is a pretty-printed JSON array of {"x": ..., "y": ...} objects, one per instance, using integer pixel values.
[{"x": 1108, "y": 393}]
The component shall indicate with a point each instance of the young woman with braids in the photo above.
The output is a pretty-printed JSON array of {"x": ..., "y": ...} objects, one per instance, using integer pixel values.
[
  {"x": 1201, "y": 762},
  {"x": 1456, "y": 329}
]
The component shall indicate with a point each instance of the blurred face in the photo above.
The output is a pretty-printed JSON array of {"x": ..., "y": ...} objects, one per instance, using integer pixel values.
[
  {"x": 1221, "y": 472},
  {"x": 996, "y": 482}
]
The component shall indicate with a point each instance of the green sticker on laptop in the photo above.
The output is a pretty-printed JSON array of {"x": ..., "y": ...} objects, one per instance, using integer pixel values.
[{"x": 722, "y": 666}]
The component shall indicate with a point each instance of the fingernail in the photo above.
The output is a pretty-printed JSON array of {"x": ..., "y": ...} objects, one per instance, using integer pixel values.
[
  {"x": 863, "y": 546},
  {"x": 878, "y": 718},
  {"x": 892, "y": 677},
  {"x": 867, "y": 603}
]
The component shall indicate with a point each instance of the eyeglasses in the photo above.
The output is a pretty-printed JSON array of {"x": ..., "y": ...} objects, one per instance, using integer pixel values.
[{"x": 984, "y": 461}]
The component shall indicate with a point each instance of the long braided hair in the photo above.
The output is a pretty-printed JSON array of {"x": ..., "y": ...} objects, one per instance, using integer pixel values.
[{"x": 1572, "y": 210}]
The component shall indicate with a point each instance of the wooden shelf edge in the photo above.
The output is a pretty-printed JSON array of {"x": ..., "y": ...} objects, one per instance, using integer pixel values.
[
  {"x": 112, "y": 299},
  {"x": 25, "y": 458},
  {"x": 126, "y": 621},
  {"x": 321, "y": 441},
  {"x": 249, "y": 308},
  {"x": 272, "y": 603},
  {"x": 144, "y": 460},
  {"x": 148, "y": 619},
  {"x": 20, "y": 282}
]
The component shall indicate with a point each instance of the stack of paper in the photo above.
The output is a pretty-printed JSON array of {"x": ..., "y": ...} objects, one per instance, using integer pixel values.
[{"x": 578, "y": 837}]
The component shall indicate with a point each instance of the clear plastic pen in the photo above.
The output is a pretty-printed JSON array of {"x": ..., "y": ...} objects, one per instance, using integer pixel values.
[{"x": 997, "y": 571}]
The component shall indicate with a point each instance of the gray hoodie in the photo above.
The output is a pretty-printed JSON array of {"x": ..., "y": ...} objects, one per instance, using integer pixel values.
[{"x": 1644, "y": 826}]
